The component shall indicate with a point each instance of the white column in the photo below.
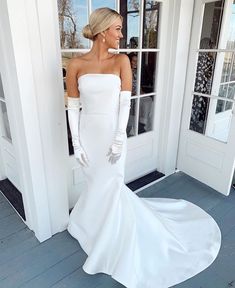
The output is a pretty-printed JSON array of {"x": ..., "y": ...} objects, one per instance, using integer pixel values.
[
  {"x": 39, "y": 109},
  {"x": 179, "y": 29}
]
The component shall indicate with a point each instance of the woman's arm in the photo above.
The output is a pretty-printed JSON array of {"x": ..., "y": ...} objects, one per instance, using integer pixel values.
[
  {"x": 125, "y": 73},
  {"x": 74, "y": 111},
  {"x": 71, "y": 78}
]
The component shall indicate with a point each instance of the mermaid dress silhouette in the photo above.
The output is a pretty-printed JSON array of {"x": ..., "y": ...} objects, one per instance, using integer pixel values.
[{"x": 140, "y": 242}]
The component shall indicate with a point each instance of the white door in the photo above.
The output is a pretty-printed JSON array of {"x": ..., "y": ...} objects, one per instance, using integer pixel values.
[
  {"x": 207, "y": 140},
  {"x": 8, "y": 160},
  {"x": 143, "y": 41},
  {"x": 7, "y": 149}
]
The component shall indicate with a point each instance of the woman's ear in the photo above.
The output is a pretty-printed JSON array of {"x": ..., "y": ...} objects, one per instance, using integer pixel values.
[{"x": 103, "y": 34}]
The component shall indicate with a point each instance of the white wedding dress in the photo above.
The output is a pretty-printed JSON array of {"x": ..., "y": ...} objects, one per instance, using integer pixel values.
[{"x": 140, "y": 242}]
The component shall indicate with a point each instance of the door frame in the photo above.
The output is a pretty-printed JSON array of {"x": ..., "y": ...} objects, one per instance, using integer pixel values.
[{"x": 191, "y": 142}]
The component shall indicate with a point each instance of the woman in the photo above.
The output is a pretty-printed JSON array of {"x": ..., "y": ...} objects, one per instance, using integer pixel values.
[{"x": 140, "y": 242}]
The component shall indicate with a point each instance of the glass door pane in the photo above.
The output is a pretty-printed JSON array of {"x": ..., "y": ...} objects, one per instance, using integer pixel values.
[
  {"x": 73, "y": 16},
  {"x": 215, "y": 73}
]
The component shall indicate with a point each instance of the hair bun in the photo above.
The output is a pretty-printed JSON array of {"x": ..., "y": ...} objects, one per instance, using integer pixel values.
[{"x": 87, "y": 33}]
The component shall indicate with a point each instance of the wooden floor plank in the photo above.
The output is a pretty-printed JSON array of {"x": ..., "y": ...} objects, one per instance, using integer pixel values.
[
  {"x": 2, "y": 198},
  {"x": 20, "y": 248},
  {"x": 5, "y": 209},
  {"x": 10, "y": 224},
  {"x": 15, "y": 238},
  {"x": 37, "y": 260},
  {"x": 57, "y": 272},
  {"x": 81, "y": 279},
  {"x": 57, "y": 262}
]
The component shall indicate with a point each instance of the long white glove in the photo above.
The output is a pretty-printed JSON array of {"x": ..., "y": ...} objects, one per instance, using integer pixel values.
[
  {"x": 73, "y": 117},
  {"x": 115, "y": 150}
]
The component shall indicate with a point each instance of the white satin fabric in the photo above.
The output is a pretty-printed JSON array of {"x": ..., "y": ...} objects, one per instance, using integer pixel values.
[{"x": 140, "y": 242}]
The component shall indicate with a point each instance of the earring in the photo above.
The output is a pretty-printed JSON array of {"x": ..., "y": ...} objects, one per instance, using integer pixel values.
[{"x": 103, "y": 40}]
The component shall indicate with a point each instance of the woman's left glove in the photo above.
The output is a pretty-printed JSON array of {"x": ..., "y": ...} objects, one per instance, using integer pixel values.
[
  {"x": 74, "y": 119},
  {"x": 115, "y": 150}
]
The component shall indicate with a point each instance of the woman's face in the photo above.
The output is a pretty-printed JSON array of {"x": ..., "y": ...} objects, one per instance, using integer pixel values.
[
  {"x": 113, "y": 34},
  {"x": 134, "y": 62}
]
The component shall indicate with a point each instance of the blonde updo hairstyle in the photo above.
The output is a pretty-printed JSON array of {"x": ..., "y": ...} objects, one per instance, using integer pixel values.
[{"x": 100, "y": 20}]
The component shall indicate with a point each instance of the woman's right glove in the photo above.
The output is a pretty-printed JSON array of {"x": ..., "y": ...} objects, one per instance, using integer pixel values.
[{"x": 74, "y": 118}]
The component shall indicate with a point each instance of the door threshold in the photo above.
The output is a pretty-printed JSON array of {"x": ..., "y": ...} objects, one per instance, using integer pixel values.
[
  {"x": 14, "y": 197},
  {"x": 145, "y": 181}
]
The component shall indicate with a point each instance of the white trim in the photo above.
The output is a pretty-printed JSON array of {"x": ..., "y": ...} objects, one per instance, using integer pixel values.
[
  {"x": 178, "y": 38},
  {"x": 36, "y": 90}
]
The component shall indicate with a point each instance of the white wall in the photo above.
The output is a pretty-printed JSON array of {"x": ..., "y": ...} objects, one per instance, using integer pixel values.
[{"x": 39, "y": 119}]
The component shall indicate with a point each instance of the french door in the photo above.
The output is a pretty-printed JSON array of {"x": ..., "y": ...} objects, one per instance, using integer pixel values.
[
  {"x": 143, "y": 39},
  {"x": 207, "y": 139}
]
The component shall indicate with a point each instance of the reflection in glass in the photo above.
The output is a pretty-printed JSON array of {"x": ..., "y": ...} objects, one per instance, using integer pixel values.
[
  {"x": 131, "y": 125},
  {"x": 226, "y": 72},
  {"x": 212, "y": 19},
  {"x": 204, "y": 72},
  {"x": 199, "y": 113},
  {"x": 1, "y": 89},
  {"x": 231, "y": 34},
  {"x": 220, "y": 123},
  {"x": 227, "y": 91},
  {"x": 104, "y": 3},
  {"x": 227, "y": 85},
  {"x": 151, "y": 24},
  {"x": 145, "y": 114},
  {"x": 5, "y": 121},
  {"x": 134, "y": 67},
  {"x": 148, "y": 72},
  {"x": 130, "y": 26},
  {"x": 73, "y": 16}
]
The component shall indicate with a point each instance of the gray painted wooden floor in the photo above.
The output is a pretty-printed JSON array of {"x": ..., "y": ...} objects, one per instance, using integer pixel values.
[{"x": 57, "y": 262}]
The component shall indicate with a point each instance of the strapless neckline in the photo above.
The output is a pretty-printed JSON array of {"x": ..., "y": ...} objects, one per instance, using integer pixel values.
[{"x": 98, "y": 74}]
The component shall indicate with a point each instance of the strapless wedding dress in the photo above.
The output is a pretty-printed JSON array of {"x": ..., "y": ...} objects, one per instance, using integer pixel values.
[{"x": 140, "y": 242}]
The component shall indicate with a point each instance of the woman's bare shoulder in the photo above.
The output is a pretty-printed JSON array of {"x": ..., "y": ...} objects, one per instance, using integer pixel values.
[
  {"x": 75, "y": 62},
  {"x": 122, "y": 58}
]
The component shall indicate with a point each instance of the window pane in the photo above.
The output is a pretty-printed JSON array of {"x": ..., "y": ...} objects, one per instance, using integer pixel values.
[
  {"x": 206, "y": 120},
  {"x": 148, "y": 72},
  {"x": 227, "y": 85},
  {"x": 227, "y": 67},
  {"x": 145, "y": 114},
  {"x": 131, "y": 17},
  {"x": 219, "y": 123},
  {"x": 104, "y": 3},
  {"x": 232, "y": 77},
  {"x": 73, "y": 16},
  {"x": 151, "y": 24},
  {"x": 204, "y": 72},
  {"x": 131, "y": 126},
  {"x": 5, "y": 121},
  {"x": 212, "y": 18},
  {"x": 134, "y": 67},
  {"x": 223, "y": 90},
  {"x": 199, "y": 114},
  {"x": 2, "y": 96},
  {"x": 231, "y": 34}
]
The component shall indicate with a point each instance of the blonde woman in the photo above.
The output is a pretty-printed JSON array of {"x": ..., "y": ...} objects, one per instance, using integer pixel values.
[{"x": 140, "y": 242}]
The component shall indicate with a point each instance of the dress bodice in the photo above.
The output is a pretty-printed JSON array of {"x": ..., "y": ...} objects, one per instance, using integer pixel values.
[{"x": 99, "y": 93}]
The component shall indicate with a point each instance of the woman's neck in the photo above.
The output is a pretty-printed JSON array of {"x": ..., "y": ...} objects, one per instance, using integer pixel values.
[{"x": 99, "y": 51}]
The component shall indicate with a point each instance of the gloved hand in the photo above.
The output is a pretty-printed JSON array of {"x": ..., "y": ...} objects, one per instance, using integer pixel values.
[
  {"x": 115, "y": 150},
  {"x": 74, "y": 119}
]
